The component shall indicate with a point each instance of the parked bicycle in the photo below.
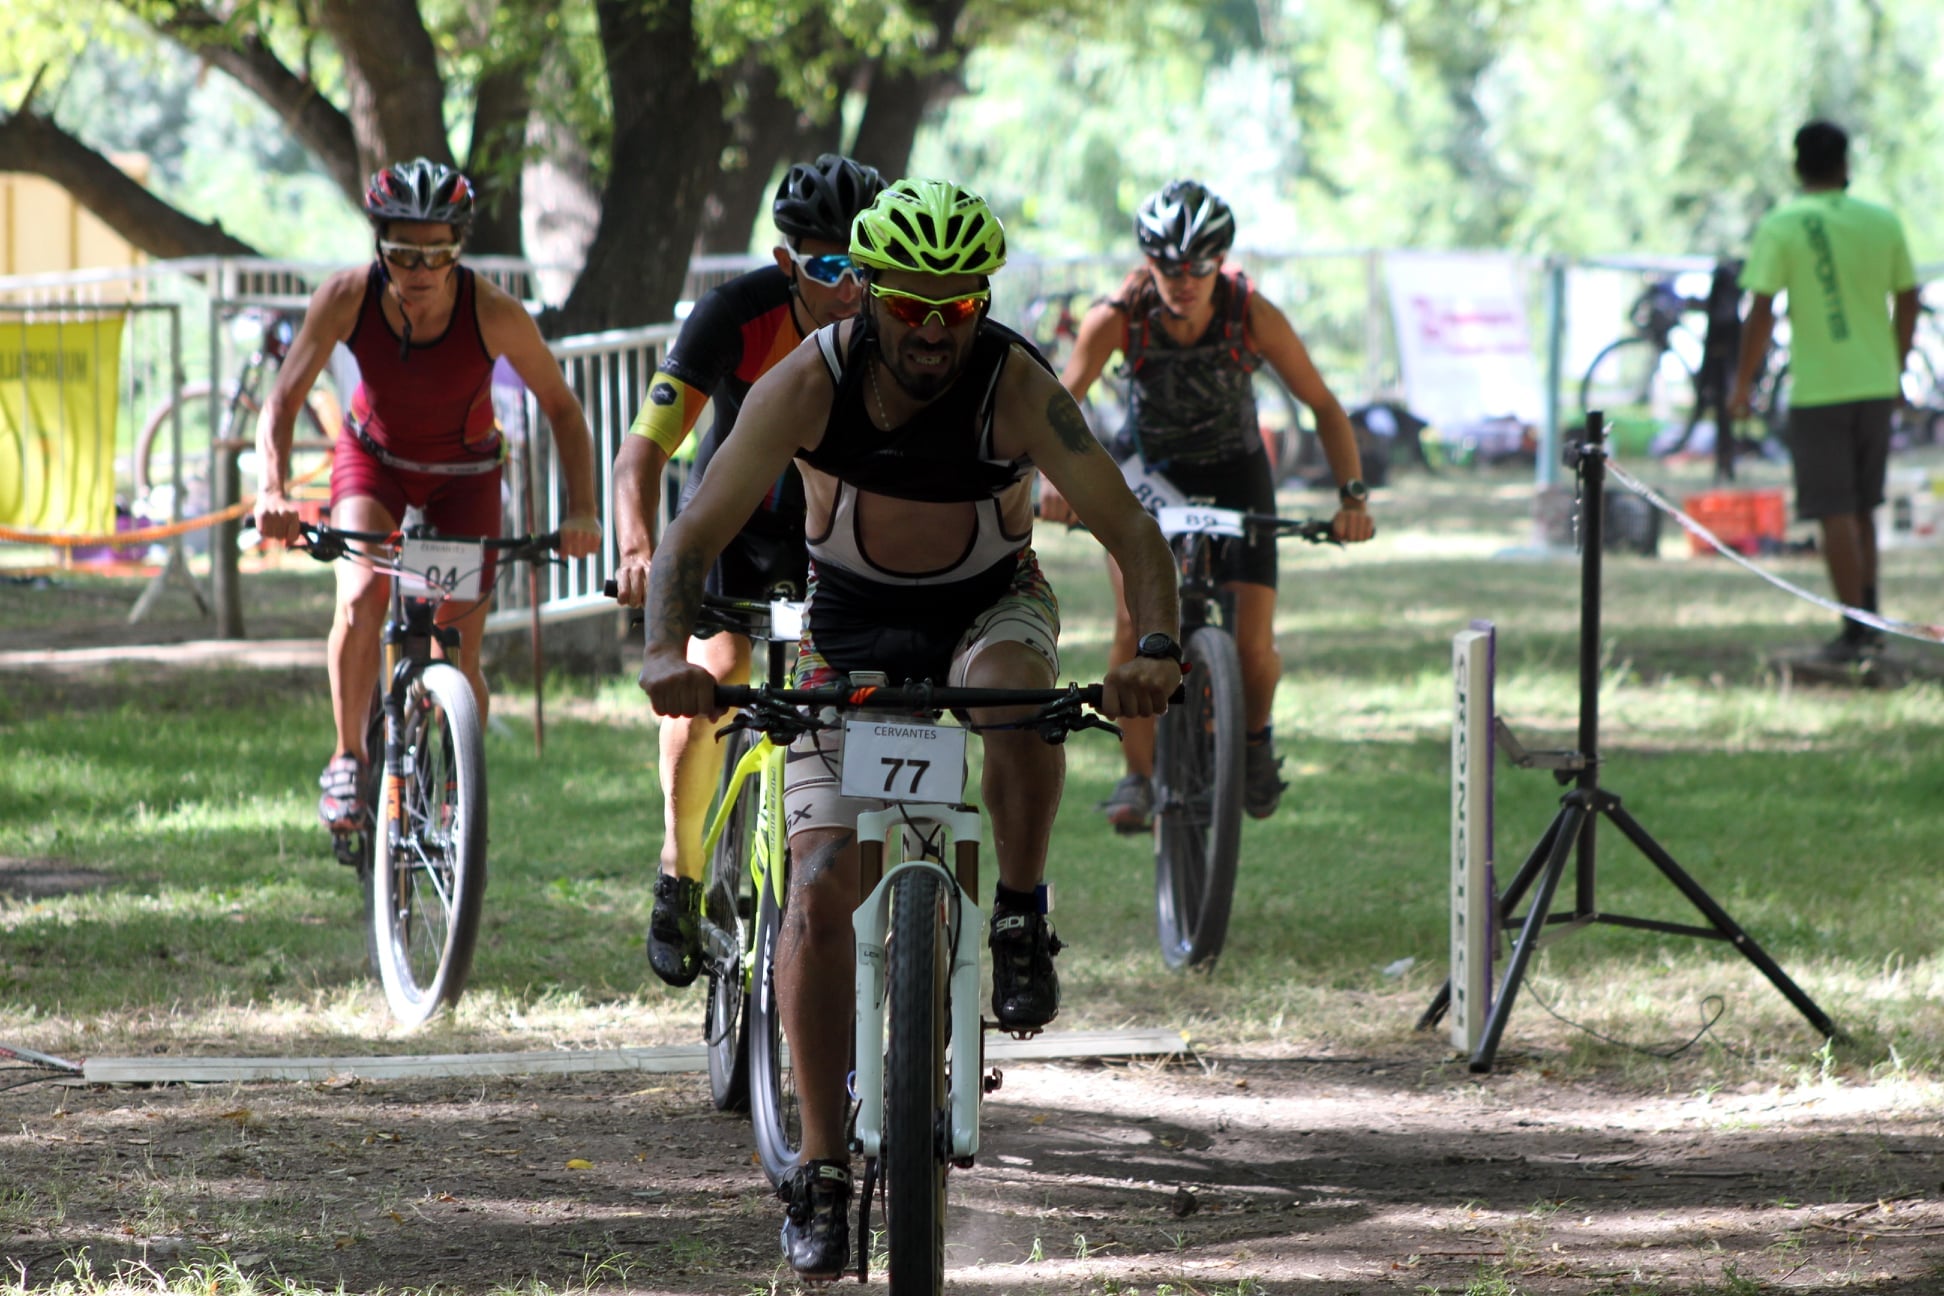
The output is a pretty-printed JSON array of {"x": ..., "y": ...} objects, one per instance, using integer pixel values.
[
  {"x": 421, "y": 861},
  {"x": 920, "y": 1074},
  {"x": 268, "y": 333},
  {"x": 1654, "y": 375},
  {"x": 1198, "y": 756}
]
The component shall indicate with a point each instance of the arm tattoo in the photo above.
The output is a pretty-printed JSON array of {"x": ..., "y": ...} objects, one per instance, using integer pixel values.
[
  {"x": 674, "y": 597},
  {"x": 1069, "y": 424}
]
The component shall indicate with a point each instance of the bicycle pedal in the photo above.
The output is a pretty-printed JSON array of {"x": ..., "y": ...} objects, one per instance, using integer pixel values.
[{"x": 990, "y": 1083}]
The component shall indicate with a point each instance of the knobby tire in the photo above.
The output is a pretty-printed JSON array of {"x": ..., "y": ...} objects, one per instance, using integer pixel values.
[
  {"x": 429, "y": 866},
  {"x": 1198, "y": 766},
  {"x": 916, "y": 1092},
  {"x": 729, "y": 906},
  {"x": 773, "y": 1112}
]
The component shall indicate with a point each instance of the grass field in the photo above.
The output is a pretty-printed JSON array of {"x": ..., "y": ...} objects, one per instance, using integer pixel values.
[{"x": 215, "y": 919}]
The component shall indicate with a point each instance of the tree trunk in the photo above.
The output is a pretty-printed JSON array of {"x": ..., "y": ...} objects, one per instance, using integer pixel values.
[
  {"x": 500, "y": 110},
  {"x": 392, "y": 79},
  {"x": 36, "y": 146},
  {"x": 761, "y": 132},
  {"x": 902, "y": 91},
  {"x": 668, "y": 136}
]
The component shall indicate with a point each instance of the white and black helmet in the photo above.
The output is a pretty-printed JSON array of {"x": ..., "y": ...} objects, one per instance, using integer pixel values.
[
  {"x": 820, "y": 199},
  {"x": 1184, "y": 222}
]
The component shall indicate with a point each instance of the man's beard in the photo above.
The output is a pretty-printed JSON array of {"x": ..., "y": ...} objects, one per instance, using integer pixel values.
[{"x": 925, "y": 384}]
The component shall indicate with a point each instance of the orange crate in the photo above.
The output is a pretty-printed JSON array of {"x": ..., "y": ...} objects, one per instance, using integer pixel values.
[{"x": 1743, "y": 519}]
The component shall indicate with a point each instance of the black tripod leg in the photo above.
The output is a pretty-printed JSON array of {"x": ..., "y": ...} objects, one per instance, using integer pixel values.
[
  {"x": 1727, "y": 926},
  {"x": 1514, "y": 892},
  {"x": 1565, "y": 831}
]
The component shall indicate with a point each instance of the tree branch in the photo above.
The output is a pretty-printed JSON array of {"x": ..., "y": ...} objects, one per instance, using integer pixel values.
[
  {"x": 313, "y": 119},
  {"x": 32, "y": 144}
]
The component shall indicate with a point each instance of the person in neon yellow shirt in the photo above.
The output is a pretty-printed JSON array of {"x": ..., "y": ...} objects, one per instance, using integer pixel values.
[{"x": 1852, "y": 302}]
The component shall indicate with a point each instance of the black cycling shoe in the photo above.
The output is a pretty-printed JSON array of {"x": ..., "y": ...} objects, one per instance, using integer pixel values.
[
  {"x": 675, "y": 930},
  {"x": 1025, "y": 988},
  {"x": 1262, "y": 783},
  {"x": 816, "y": 1231}
]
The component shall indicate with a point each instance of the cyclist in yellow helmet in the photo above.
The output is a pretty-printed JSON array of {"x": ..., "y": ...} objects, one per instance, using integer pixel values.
[{"x": 917, "y": 428}]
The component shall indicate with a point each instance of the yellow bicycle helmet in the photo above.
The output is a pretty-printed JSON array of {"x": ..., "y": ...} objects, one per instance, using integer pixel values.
[{"x": 930, "y": 226}]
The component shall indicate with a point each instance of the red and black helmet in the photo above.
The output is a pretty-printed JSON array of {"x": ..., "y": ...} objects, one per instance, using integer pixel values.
[{"x": 420, "y": 190}]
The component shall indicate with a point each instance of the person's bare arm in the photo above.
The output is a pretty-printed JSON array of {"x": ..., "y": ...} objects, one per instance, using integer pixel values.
[
  {"x": 1276, "y": 339},
  {"x": 784, "y": 412},
  {"x": 328, "y": 320},
  {"x": 1756, "y": 331},
  {"x": 1040, "y": 417},
  {"x": 1908, "y": 306},
  {"x": 638, "y": 469},
  {"x": 510, "y": 332},
  {"x": 1099, "y": 337}
]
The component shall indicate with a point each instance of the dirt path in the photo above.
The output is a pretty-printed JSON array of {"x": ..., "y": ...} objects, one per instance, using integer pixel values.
[{"x": 1296, "y": 1175}]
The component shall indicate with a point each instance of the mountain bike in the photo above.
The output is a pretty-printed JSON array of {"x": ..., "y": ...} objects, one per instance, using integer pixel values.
[
  {"x": 918, "y": 1032},
  {"x": 421, "y": 860},
  {"x": 742, "y": 897},
  {"x": 1198, "y": 756},
  {"x": 268, "y": 334},
  {"x": 1654, "y": 376}
]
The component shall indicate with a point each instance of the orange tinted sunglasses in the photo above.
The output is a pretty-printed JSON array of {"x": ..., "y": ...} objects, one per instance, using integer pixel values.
[{"x": 914, "y": 311}]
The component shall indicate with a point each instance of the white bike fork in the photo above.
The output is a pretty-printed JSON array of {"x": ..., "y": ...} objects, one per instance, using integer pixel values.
[{"x": 869, "y": 922}]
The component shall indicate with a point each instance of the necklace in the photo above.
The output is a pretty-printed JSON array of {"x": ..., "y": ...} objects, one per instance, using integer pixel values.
[{"x": 878, "y": 396}]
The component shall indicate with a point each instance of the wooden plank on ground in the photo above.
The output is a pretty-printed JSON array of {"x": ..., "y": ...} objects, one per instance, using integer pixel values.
[{"x": 665, "y": 1059}]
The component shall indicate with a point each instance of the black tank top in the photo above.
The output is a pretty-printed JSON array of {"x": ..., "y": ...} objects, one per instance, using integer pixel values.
[
  {"x": 943, "y": 454},
  {"x": 1192, "y": 404}
]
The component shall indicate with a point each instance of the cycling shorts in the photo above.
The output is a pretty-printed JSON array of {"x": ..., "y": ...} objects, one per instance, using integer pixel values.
[
  {"x": 1028, "y": 613},
  {"x": 1244, "y": 484},
  {"x": 455, "y": 505}
]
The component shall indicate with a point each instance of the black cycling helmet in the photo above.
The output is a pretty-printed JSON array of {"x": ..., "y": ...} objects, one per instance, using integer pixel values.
[
  {"x": 1184, "y": 222},
  {"x": 820, "y": 199},
  {"x": 420, "y": 190}
]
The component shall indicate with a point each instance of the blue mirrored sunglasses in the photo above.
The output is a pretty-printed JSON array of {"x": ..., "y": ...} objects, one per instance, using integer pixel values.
[{"x": 829, "y": 268}]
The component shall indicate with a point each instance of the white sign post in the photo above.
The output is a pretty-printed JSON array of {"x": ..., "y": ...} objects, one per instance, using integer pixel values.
[{"x": 1472, "y": 892}]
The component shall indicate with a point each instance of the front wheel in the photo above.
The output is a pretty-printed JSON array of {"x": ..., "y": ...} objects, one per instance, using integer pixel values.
[
  {"x": 1198, "y": 802},
  {"x": 728, "y": 919},
  {"x": 1638, "y": 382},
  {"x": 773, "y": 1112},
  {"x": 917, "y": 1102},
  {"x": 428, "y": 877}
]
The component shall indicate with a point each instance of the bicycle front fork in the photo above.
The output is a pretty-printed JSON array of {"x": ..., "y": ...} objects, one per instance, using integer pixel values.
[{"x": 964, "y": 942}]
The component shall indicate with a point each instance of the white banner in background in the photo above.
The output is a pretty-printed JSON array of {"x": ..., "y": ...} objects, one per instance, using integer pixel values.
[{"x": 1463, "y": 337}]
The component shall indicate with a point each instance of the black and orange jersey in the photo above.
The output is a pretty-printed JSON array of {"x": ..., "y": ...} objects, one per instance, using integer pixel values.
[{"x": 736, "y": 333}]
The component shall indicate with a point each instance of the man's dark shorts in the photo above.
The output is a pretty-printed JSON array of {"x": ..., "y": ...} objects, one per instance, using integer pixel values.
[{"x": 1841, "y": 453}]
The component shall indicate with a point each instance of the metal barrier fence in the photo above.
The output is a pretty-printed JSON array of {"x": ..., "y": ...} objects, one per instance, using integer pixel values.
[
  {"x": 1337, "y": 300},
  {"x": 608, "y": 373}
]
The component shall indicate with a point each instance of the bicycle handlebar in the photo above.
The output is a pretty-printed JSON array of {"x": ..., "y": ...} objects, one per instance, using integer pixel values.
[
  {"x": 787, "y": 713},
  {"x": 328, "y": 543}
]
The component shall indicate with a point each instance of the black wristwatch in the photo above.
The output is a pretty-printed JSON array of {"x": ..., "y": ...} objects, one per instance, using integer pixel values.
[
  {"x": 1160, "y": 644},
  {"x": 1353, "y": 491}
]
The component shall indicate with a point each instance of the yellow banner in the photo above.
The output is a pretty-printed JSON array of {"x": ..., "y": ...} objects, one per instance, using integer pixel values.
[{"x": 59, "y": 394}]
